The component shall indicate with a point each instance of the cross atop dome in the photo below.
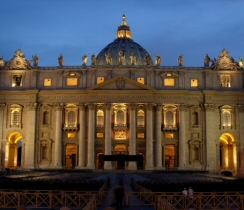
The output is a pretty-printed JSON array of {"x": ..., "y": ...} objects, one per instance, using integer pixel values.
[{"x": 124, "y": 30}]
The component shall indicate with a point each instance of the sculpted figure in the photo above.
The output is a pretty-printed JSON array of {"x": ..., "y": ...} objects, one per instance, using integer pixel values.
[
  {"x": 207, "y": 60},
  {"x": 85, "y": 59},
  {"x": 133, "y": 59},
  {"x": 19, "y": 53},
  {"x": 180, "y": 60},
  {"x": 109, "y": 59},
  {"x": 240, "y": 62},
  {"x": 35, "y": 60},
  {"x": 61, "y": 60},
  {"x": 94, "y": 59},
  {"x": 147, "y": 59},
  {"x": 158, "y": 60},
  {"x": 121, "y": 57},
  {"x": 2, "y": 62}
]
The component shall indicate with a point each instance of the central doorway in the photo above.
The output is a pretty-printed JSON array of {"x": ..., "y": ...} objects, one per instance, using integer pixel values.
[
  {"x": 120, "y": 150},
  {"x": 71, "y": 155}
]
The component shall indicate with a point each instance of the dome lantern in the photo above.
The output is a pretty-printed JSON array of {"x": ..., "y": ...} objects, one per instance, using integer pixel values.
[{"x": 124, "y": 30}]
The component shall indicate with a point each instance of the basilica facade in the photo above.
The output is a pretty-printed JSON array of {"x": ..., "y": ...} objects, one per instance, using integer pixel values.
[{"x": 122, "y": 110}]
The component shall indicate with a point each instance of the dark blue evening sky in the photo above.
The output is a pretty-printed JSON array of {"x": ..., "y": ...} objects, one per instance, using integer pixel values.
[{"x": 74, "y": 27}]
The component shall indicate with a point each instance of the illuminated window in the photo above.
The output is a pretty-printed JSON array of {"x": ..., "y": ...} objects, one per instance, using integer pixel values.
[
  {"x": 169, "y": 119},
  {"x": 100, "y": 135},
  {"x": 100, "y": 118},
  {"x": 225, "y": 81},
  {"x": 169, "y": 135},
  {"x": 72, "y": 81},
  {"x": 140, "y": 135},
  {"x": 226, "y": 118},
  {"x": 71, "y": 134},
  {"x": 140, "y": 80},
  {"x": 140, "y": 118},
  {"x": 100, "y": 80},
  {"x": 15, "y": 118},
  {"x": 194, "y": 83},
  {"x": 120, "y": 118},
  {"x": 169, "y": 75},
  {"x": 17, "y": 81},
  {"x": 71, "y": 118},
  {"x": 169, "y": 82},
  {"x": 47, "y": 82}
]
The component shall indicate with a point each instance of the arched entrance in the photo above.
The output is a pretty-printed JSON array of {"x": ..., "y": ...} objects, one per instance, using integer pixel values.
[
  {"x": 71, "y": 155},
  {"x": 13, "y": 155},
  {"x": 227, "y": 152}
]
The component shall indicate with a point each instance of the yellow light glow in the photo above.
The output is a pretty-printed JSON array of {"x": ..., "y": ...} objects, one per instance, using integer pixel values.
[
  {"x": 194, "y": 83},
  {"x": 72, "y": 81},
  {"x": 140, "y": 80},
  {"x": 100, "y": 80},
  {"x": 169, "y": 135},
  {"x": 71, "y": 135},
  {"x": 140, "y": 135},
  {"x": 47, "y": 82},
  {"x": 169, "y": 82},
  {"x": 100, "y": 135}
]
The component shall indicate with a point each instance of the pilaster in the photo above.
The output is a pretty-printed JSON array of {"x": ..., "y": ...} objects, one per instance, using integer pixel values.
[
  {"x": 108, "y": 146},
  {"x": 158, "y": 146},
  {"x": 82, "y": 143},
  {"x": 210, "y": 137},
  {"x": 30, "y": 135},
  {"x": 241, "y": 129},
  {"x": 149, "y": 138},
  {"x": 2, "y": 148},
  {"x": 58, "y": 135},
  {"x": 132, "y": 140},
  {"x": 183, "y": 108},
  {"x": 91, "y": 143}
]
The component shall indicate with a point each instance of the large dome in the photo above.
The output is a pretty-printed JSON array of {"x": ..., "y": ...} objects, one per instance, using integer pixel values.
[{"x": 123, "y": 50}]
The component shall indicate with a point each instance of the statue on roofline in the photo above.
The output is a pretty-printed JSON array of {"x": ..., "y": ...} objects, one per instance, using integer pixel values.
[
  {"x": 158, "y": 60},
  {"x": 85, "y": 59},
  {"x": 147, "y": 59},
  {"x": 180, "y": 60},
  {"x": 109, "y": 59},
  {"x": 207, "y": 60},
  {"x": 35, "y": 60},
  {"x": 121, "y": 57},
  {"x": 61, "y": 60},
  {"x": 94, "y": 59},
  {"x": 133, "y": 59}
]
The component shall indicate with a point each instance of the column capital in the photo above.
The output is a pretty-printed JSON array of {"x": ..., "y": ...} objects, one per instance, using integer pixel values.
[
  {"x": 132, "y": 106},
  {"x": 209, "y": 107},
  {"x": 58, "y": 106},
  {"x": 108, "y": 106},
  {"x": 149, "y": 106},
  {"x": 240, "y": 108},
  {"x": 31, "y": 106},
  {"x": 2, "y": 106},
  {"x": 158, "y": 107},
  {"x": 91, "y": 106},
  {"x": 182, "y": 107},
  {"x": 82, "y": 107}
]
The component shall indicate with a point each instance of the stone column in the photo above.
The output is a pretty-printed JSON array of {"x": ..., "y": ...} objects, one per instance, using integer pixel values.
[
  {"x": 132, "y": 140},
  {"x": 158, "y": 146},
  {"x": 163, "y": 152},
  {"x": 210, "y": 137},
  {"x": 57, "y": 163},
  {"x": 149, "y": 138},
  {"x": 82, "y": 136},
  {"x": 2, "y": 140},
  {"x": 182, "y": 136},
  {"x": 241, "y": 134},
  {"x": 30, "y": 135},
  {"x": 91, "y": 143},
  {"x": 108, "y": 132}
]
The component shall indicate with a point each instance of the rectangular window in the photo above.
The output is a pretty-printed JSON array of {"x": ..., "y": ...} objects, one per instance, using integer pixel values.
[
  {"x": 169, "y": 82},
  {"x": 141, "y": 80},
  {"x": 140, "y": 135},
  {"x": 194, "y": 82},
  {"x": 72, "y": 81},
  {"x": 225, "y": 81},
  {"x": 71, "y": 134},
  {"x": 17, "y": 81},
  {"x": 47, "y": 82},
  {"x": 169, "y": 135},
  {"x": 100, "y": 135},
  {"x": 100, "y": 80}
]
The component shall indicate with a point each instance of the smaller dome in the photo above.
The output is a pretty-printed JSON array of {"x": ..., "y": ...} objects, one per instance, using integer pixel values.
[{"x": 123, "y": 50}]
